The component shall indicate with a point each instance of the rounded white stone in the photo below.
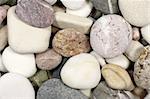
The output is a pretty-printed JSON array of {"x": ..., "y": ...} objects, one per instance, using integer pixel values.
[
  {"x": 81, "y": 71},
  {"x": 23, "y": 64},
  {"x": 14, "y": 86},
  {"x": 145, "y": 31},
  {"x": 51, "y": 2},
  {"x": 136, "y": 12},
  {"x": 83, "y": 12},
  {"x": 2, "y": 67}
]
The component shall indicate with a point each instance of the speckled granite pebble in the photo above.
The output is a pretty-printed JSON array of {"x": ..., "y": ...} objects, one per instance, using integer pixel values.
[{"x": 55, "y": 89}]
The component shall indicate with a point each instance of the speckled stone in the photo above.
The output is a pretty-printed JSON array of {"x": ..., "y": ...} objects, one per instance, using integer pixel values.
[
  {"x": 55, "y": 89},
  {"x": 36, "y": 13},
  {"x": 70, "y": 42},
  {"x": 48, "y": 60},
  {"x": 3, "y": 12}
]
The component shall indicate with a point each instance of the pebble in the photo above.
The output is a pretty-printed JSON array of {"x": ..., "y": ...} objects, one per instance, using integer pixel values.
[
  {"x": 2, "y": 67},
  {"x": 15, "y": 86},
  {"x": 106, "y": 6},
  {"x": 136, "y": 12},
  {"x": 69, "y": 42},
  {"x": 145, "y": 31},
  {"x": 120, "y": 60},
  {"x": 86, "y": 92},
  {"x": 23, "y": 64},
  {"x": 147, "y": 96},
  {"x": 24, "y": 38},
  {"x": 136, "y": 33},
  {"x": 3, "y": 37},
  {"x": 3, "y": 13},
  {"x": 48, "y": 60},
  {"x": 81, "y": 72},
  {"x": 41, "y": 17},
  {"x": 55, "y": 89},
  {"x": 110, "y": 36},
  {"x": 51, "y": 2},
  {"x": 134, "y": 50},
  {"x": 64, "y": 20},
  {"x": 96, "y": 14},
  {"x": 83, "y": 12},
  {"x": 142, "y": 68},
  {"x": 9, "y": 2},
  {"x": 117, "y": 77},
  {"x": 139, "y": 92},
  {"x": 59, "y": 9}
]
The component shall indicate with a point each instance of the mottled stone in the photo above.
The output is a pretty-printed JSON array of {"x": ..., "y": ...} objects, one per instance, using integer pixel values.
[
  {"x": 70, "y": 42},
  {"x": 36, "y": 13},
  {"x": 3, "y": 37},
  {"x": 3, "y": 12},
  {"x": 55, "y": 89}
]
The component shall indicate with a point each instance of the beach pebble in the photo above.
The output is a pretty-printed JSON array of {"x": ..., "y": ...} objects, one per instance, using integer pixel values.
[
  {"x": 3, "y": 13},
  {"x": 15, "y": 86},
  {"x": 86, "y": 92},
  {"x": 120, "y": 60},
  {"x": 59, "y": 8},
  {"x": 51, "y": 2},
  {"x": 136, "y": 33},
  {"x": 83, "y": 12},
  {"x": 81, "y": 71},
  {"x": 138, "y": 91},
  {"x": 3, "y": 37},
  {"x": 70, "y": 42},
  {"x": 110, "y": 36},
  {"x": 106, "y": 6},
  {"x": 55, "y": 89},
  {"x": 36, "y": 13},
  {"x": 145, "y": 31},
  {"x": 64, "y": 20},
  {"x": 24, "y": 38},
  {"x": 96, "y": 14},
  {"x": 48, "y": 60},
  {"x": 2, "y": 67},
  {"x": 23, "y": 64},
  {"x": 134, "y": 50},
  {"x": 136, "y": 12},
  {"x": 9, "y": 2},
  {"x": 117, "y": 77}
]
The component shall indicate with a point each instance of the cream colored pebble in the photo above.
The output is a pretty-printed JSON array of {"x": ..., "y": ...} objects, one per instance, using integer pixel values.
[
  {"x": 145, "y": 31},
  {"x": 86, "y": 92}
]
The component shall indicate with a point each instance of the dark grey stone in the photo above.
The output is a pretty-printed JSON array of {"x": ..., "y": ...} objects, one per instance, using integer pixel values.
[
  {"x": 9, "y": 2},
  {"x": 55, "y": 89}
]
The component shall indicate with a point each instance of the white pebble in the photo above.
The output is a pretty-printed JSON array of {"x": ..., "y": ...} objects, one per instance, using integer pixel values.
[
  {"x": 145, "y": 31},
  {"x": 2, "y": 67},
  {"x": 51, "y": 2},
  {"x": 86, "y": 92}
]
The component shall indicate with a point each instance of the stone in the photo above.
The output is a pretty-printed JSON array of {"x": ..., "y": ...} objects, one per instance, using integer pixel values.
[
  {"x": 3, "y": 13},
  {"x": 86, "y": 92},
  {"x": 59, "y": 8},
  {"x": 55, "y": 89},
  {"x": 136, "y": 34},
  {"x": 145, "y": 31},
  {"x": 136, "y": 12},
  {"x": 134, "y": 50},
  {"x": 24, "y": 38},
  {"x": 36, "y": 13},
  {"x": 3, "y": 37},
  {"x": 96, "y": 14},
  {"x": 81, "y": 72},
  {"x": 23, "y": 64},
  {"x": 83, "y": 12},
  {"x": 64, "y": 20},
  {"x": 120, "y": 60},
  {"x": 48, "y": 60},
  {"x": 117, "y": 78},
  {"x": 110, "y": 36},
  {"x": 106, "y": 6},
  {"x": 9, "y": 2},
  {"x": 51, "y": 2},
  {"x": 139, "y": 92},
  {"x": 2, "y": 67},
  {"x": 147, "y": 96},
  {"x": 15, "y": 86},
  {"x": 69, "y": 42}
]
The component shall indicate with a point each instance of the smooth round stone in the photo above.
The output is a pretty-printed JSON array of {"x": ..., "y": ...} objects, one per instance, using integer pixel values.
[
  {"x": 145, "y": 31},
  {"x": 70, "y": 42},
  {"x": 110, "y": 36},
  {"x": 136, "y": 12},
  {"x": 36, "y": 13},
  {"x": 106, "y": 6},
  {"x": 55, "y": 89},
  {"x": 23, "y": 64},
  {"x": 83, "y": 12},
  {"x": 81, "y": 71},
  {"x": 73, "y": 4},
  {"x": 2, "y": 67},
  {"x": 16, "y": 87},
  {"x": 48, "y": 60},
  {"x": 3, "y": 37},
  {"x": 51, "y": 2},
  {"x": 136, "y": 34}
]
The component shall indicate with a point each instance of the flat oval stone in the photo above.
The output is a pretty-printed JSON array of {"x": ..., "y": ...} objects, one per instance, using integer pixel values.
[
  {"x": 110, "y": 36},
  {"x": 16, "y": 86},
  {"x": 55, "y": 89},
  {"x": 36, "y": 13}
]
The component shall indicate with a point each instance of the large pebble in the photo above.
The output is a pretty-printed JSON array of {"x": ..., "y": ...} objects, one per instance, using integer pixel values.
[
  {"x": 23, "y": 64},
  {"x": 136, "y": 12},
  {"x": 48, "y": 60},
  {"x": 110, "y": 36},
  {"x": 36, "y": 13},
  {"x": 64, "y": 20},
  {"x": 55, "y": 89},
  {"x": 117, "y": 77},
  {"x": 24, "y": 38},
  {"x": 14, "y": 86},
  {"x": 3, "y": 37},
  {"x": 70, "y": 42},
  {"x": 2, "y": 67},
  {"x": 81, "y": 71},
  {"x": 145, "y": 31}
]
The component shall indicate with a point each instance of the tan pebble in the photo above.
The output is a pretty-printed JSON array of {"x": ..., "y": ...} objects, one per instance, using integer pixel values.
[
  {"x": 136, "y": 33},
  {"x": 139, "y": 92},
  {"x": 3, "y": 37}
]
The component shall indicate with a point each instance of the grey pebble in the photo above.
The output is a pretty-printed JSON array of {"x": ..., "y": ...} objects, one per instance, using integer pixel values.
[{"x": 9, "y": 2}]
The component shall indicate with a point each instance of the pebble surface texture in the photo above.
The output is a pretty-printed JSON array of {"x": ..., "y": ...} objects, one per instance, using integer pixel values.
[
  {"x": 110, "y": 36},
  {"x": 48, "y": 60},
  {"x": 3, "y": 37},
  {"x": 55, "y": 89},
  {"x": 70, "y": 42},
  {"x": 3, "y": 13},
  {"x": 36, "y": 13}
]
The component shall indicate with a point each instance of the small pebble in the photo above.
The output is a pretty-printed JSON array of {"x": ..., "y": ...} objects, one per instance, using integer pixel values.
[
  {"x": 51, "y": 2},
  {"x": 3, "y": 37},
  {"x": 136, "y": 33},
  {"x": 3, "y": 13},
  {"x": 70, "y": 42},
  {"x": 9, "y": 2},
  {"x": 55, "y": 89},
  {"x": 2, "y": 67},
  {"x": 139, "y": 92},
  {"x": 86, "y": 92},
  {"x": 145, "y": 31}
]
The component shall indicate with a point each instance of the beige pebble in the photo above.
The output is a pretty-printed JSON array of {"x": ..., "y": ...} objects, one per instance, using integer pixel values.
[
  {"x": 136, "y": 33},
  {"x": 139, "y": 92},
  {"x": 3, "y": 37},
  {"x": 86, "y": 92},
  {"x": 58, "y": 9}
]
